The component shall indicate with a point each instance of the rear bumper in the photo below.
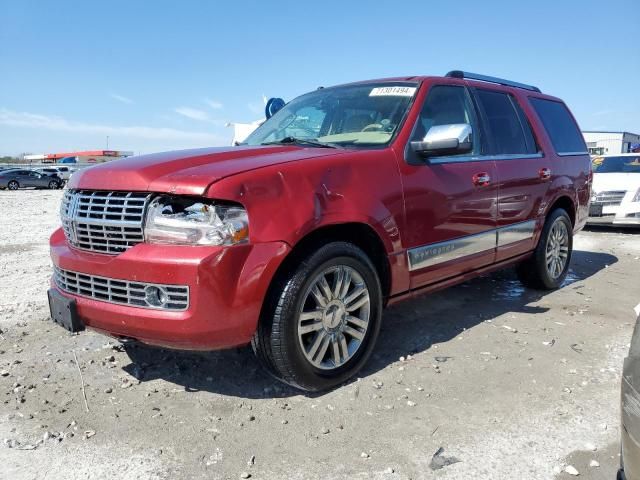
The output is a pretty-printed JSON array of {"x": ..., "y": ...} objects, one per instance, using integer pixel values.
[{"x": 227, "y": 286}]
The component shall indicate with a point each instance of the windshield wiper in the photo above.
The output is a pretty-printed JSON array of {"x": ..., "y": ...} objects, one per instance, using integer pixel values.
[{"x": 300, "y": 141}]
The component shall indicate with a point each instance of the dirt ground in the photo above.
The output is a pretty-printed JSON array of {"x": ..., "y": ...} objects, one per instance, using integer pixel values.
[{"x": 511, "y": 383}]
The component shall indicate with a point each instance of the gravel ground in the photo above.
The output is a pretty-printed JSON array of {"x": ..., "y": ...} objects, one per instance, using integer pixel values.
[{"x": 509, "y": 382}]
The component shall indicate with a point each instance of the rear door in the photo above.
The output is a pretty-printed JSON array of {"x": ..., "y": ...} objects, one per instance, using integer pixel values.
[
  {"x": 450, "y": 202},
  {"x": 523, "y": 172}
]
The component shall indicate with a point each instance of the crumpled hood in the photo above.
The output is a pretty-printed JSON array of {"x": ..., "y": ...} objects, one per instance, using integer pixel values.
[
  {"x": 604, "y": 182},
  {"x": 187, "y": 172}
]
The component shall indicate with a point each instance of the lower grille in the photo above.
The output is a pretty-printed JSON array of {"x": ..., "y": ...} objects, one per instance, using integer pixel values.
[
  {"x": 135, "y": 294},
  {"x": 609, "y": 199}
]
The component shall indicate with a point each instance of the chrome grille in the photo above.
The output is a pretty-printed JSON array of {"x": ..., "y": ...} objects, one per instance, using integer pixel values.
[
  {"x": 124, "y": 292},
  {"x": 610, "y": 198},
  {"x": 103, "y": 221}
]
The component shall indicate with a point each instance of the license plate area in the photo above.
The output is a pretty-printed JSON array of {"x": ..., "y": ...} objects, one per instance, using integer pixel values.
[
  {"x": 63, "y": 311},
  {"x": 595, "y": 210}
]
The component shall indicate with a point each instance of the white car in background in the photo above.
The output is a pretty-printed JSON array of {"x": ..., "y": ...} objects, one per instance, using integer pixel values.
[
  {"x": 615, "y": 193},
  {"x": 63, "y": 172}
]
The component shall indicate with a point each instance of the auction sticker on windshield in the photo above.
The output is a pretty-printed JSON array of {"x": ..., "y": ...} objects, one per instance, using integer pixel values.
[{"x": 393, "y": 92}]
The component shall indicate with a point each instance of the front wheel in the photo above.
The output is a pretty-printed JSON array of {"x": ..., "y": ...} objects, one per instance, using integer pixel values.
[
  {"x": 322, "y": 319},
  {"x": 547, "y": 268},
  {"x": 53, "y": 185}
]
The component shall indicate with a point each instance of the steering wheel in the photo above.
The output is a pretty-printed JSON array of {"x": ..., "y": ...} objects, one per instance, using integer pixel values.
[{"x": 373, "y": 127}]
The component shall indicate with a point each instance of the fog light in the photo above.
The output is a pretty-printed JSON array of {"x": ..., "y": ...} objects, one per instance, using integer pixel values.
[{"x": 155, "y": 296}]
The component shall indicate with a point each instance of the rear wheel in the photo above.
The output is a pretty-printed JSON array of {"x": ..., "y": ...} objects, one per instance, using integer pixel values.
[
  {"x": 547, "y": 268},
  {"x": 322, "y": 320},
  {"x": 13, "y": 185}
]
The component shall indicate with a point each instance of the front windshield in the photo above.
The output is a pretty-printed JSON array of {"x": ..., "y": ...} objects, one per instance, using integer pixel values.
[
  {"x": 354, "y": 115},
  {"x": 622, "y": 164}
]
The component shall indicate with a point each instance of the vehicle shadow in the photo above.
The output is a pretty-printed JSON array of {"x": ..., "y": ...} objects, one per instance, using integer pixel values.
[{"x": 408, "y": 328}]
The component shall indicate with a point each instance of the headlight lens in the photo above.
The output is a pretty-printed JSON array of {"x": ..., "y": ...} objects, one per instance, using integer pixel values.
[
  {"x": 636, "y": 197},
  {"x": 183, "y": 221}
]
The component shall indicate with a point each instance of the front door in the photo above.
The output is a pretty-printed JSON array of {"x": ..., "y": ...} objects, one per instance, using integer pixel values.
[
  {"x": 523, "y": 173},
  {"x": 37, "y": 180},
  {"x": 450, "y": 201}
]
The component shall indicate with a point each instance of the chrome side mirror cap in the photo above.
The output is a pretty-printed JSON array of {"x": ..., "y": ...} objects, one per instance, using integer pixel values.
[{"x": 445, "y": 140}]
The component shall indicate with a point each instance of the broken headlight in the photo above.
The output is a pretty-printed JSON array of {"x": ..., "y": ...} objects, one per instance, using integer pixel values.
[{"x": 184, "y": 221}]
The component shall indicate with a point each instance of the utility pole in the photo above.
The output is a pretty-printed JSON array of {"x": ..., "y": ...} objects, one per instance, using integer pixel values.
[{"x": 107, "y": 142}]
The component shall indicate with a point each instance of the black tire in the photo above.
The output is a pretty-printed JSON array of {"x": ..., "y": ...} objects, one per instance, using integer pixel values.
[
  {"x": 53, "y": 185},
  {"x": 535, "y": 272},
  {"x": 276, "y": 342},
  {"x": 13, "y": 185}
]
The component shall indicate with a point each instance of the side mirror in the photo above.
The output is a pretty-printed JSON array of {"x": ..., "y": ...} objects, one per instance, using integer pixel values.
[{"x": 445, "y": 140}]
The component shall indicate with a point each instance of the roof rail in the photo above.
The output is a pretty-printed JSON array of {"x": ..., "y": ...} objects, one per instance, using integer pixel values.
[{"x": 486, "y": 78}]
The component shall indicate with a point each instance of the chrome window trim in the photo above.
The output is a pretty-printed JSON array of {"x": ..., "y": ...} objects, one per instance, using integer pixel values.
[
  {"x": 441, "y": 252},
  {"x": 485, "y": 157},
  {"x": 109, "y": 286},
  {"x": 569, "y": 154}
]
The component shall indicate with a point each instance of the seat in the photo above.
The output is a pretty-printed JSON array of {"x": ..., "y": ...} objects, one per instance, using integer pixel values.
[{"x": 355, "y": 123}]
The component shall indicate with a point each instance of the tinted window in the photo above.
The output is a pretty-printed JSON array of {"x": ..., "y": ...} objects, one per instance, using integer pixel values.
[
  {"x": 626, "y": 164},
  {"x": 506, "y": 130},
  {"x": 560, "y": 126},
  {"x": 446, "y": 105}
]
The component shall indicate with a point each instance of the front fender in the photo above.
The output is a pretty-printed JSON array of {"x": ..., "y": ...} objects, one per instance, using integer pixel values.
[{"x": 288, "y": 201}]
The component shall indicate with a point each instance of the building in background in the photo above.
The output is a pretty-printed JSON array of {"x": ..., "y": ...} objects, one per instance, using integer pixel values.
[
  {"x": 87, "y": 156},
  {"x": 603, "y": 143},
  {"x": 242, "y": 130}
]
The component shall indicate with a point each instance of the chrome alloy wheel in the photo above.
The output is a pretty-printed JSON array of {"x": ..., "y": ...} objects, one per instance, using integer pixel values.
[
  {"x": 334, "y": 317},
  {"x": 557, "y": 251}
]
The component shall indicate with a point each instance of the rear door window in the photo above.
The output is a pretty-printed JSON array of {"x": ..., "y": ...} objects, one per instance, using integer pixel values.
[
  {"x": 509, "y": 131},
  {"x": 562, "y": 129}
]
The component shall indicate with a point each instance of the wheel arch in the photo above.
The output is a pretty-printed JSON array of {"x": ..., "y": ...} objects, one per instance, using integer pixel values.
[
  {"x": 566, "y": 203},
  {"x": 359, "y": 234}
]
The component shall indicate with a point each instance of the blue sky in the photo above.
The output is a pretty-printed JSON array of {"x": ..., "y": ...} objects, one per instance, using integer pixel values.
[{"x": 169, "y": 74}]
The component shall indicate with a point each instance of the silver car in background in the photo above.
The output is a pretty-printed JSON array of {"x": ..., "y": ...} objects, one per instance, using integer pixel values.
[{"x": 63, "y": 172}]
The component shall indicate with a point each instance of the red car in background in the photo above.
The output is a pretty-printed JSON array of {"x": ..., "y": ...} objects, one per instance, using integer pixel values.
[{"x": 349, "y": 198}]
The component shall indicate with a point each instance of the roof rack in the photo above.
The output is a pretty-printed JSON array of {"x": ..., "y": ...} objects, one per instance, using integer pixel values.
[{"x": 486, "y": 78}]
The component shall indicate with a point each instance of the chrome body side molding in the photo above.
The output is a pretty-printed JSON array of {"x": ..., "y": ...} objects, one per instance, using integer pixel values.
[
  {"x": 515, "y": 233},
  {"x": 436, "y": 253}
]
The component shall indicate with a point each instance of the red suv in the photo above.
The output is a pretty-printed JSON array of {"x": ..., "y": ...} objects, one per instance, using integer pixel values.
[{"x": 348, "y": 199}]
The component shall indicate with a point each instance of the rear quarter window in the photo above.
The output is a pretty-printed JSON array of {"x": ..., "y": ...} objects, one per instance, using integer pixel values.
[{"x": 559, "y": 124}]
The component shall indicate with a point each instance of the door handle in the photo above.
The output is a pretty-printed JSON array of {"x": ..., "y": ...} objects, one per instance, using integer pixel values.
[
  {"x": 544, "y": 173},
  {"x": 481, "y": 179}
]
